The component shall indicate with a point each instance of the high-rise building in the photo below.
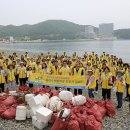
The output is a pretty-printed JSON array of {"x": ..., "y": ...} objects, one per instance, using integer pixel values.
[
  {"x": 106, "y": 29},
  {"x": 89, "y": 32}
]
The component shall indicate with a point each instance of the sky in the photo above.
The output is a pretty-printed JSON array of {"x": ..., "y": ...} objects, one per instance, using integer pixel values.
[{"x": 84, "y": 12}]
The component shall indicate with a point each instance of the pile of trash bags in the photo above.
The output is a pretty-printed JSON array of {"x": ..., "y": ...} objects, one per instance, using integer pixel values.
[
  {"x": 8, "y": 105},
  {"x": 87, "y": 116},
  {"x": 69, "y": 112}
]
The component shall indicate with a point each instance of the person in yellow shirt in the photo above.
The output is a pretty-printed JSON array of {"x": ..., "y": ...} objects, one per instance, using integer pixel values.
[
  {"x": 106, "y": 79},
  {"x": 2, "y": 79},
  {"x": 38, "y": 67},
  {"x": 11, "y": 78},
  {"x": 119, "y": 84},
  {"x": 22, "y": 74},
  {"x": 91, "y": 83},
  {"x": 78, "y": 71},
  {"x": 29, "y": 75},
  {"x": 127, "y": 79},
  {"x": 96, "y": 72},
  {"x": 65, "y": 70},
  {"x": 55, "y": 68}
]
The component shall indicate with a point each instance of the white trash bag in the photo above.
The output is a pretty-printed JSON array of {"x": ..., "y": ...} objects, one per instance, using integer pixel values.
[
  {"x": 78, "y": 100},
  {"x": 65, "y": 95},
  {"x": 54, "y": 104}
]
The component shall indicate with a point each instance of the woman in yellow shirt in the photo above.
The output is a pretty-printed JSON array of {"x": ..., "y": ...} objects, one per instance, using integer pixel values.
[
  {"x": 119, "y": 84},
  {"x": 22, "y": 74},
  {"x": 127, "y": 78},
  {"x": 11, "y": 77},
  {"x": 29, "y": 75},
  {"x": 106, "y": 79},
  {"x": 2, "y": 79}
]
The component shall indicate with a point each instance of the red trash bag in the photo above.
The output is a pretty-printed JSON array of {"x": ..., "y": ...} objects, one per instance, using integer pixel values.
[
  {"x": 20, "y": 100},
  {"x": 97, "y": 111},
  {"x": 90, "y": 102},
  {"x": 59, "y": 124},
  {"x": 9, "y": 101},
  {"x": 54, "y": 92},
  {"x": 92, "y": 124},
  {"x": 68, "y": 104},
  {"x": 2, "y": 98},
  {"x": 9, "y": 113},
  {"x": 2, "y": 108},
  {"x": 73, "y": 125},
  {"x": 81, "y": 119},
  {"x": 53, "y": 117},
  {"x": 110, "y": 109},
  {"x": 101, "y": 103}
]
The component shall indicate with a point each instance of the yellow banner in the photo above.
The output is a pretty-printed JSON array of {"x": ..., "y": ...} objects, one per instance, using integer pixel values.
[{"x": 60, "y": 80}]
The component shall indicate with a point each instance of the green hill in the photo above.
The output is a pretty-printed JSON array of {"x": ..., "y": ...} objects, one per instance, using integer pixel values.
[
  {"x": 52, "y": 30},
  {"x": 122, "y": 33}
]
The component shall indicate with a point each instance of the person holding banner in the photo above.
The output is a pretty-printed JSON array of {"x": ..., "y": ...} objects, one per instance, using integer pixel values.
[
  {"x": 78, "y": 71},
  {"x": 65, "y": 70},
  {"x": 91, "y": 83}
]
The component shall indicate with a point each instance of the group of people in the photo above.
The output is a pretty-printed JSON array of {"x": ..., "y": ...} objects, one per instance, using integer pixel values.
[{"x": 107, "y": 71}]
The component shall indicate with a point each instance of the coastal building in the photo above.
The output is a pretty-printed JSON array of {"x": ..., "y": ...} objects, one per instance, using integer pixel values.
[
  {"x": 89, "y": 32},
  {"x": 11, "y": 39},
  {"x": 106, "y": 30}
]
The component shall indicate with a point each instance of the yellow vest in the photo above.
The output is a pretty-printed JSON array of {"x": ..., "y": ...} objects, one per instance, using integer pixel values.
[
  {"x": 54, "y": 70},
  {"x": 44, "y": 72},
  {"x": 127, "y": 78},
  {"x": 105, "y": 81},
  {"x": 30, "y": 75},
  {"x": 2, "y": 78},
  {"x": 113, "y": 71},
  {"x": 93, "y": 84},
  {"x": 129, "y": 90},
  {"x": 38, "y": 68},
  {"x": 120, "y": 87},
  {"x": 96, "y": 73},
  {"x": 79, "y": 72},
  {"x": 11, "y": 75},
  {"x": 22, "y": 72},
  {"x": 65, "y": 71}
]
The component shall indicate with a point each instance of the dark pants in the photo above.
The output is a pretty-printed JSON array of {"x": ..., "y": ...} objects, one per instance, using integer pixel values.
[
  {"x": 77, "y": 91},
  {"x": 90, "y": 93},
  {"x": 106, "y": 94},
  {"x": 2, "y": 87},
  {"x": 113, "y": 77},
  {"x": 17, "y": 79},
  {"x": 22, "y": 81},
  {"x": 129, "y": 101},
  {"x": 127, "y": 87},
  {"x": 30, "y": 85},
  {"x": 68, "y": 89},
  {"x": 96, "y": 89},
  {"x": 119, "y": 99}
]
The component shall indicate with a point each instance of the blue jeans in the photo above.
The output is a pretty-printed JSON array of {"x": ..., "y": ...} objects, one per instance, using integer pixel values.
[
  {"x": 90, "y": 93},
  {"x": 119, "y": 99}
]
